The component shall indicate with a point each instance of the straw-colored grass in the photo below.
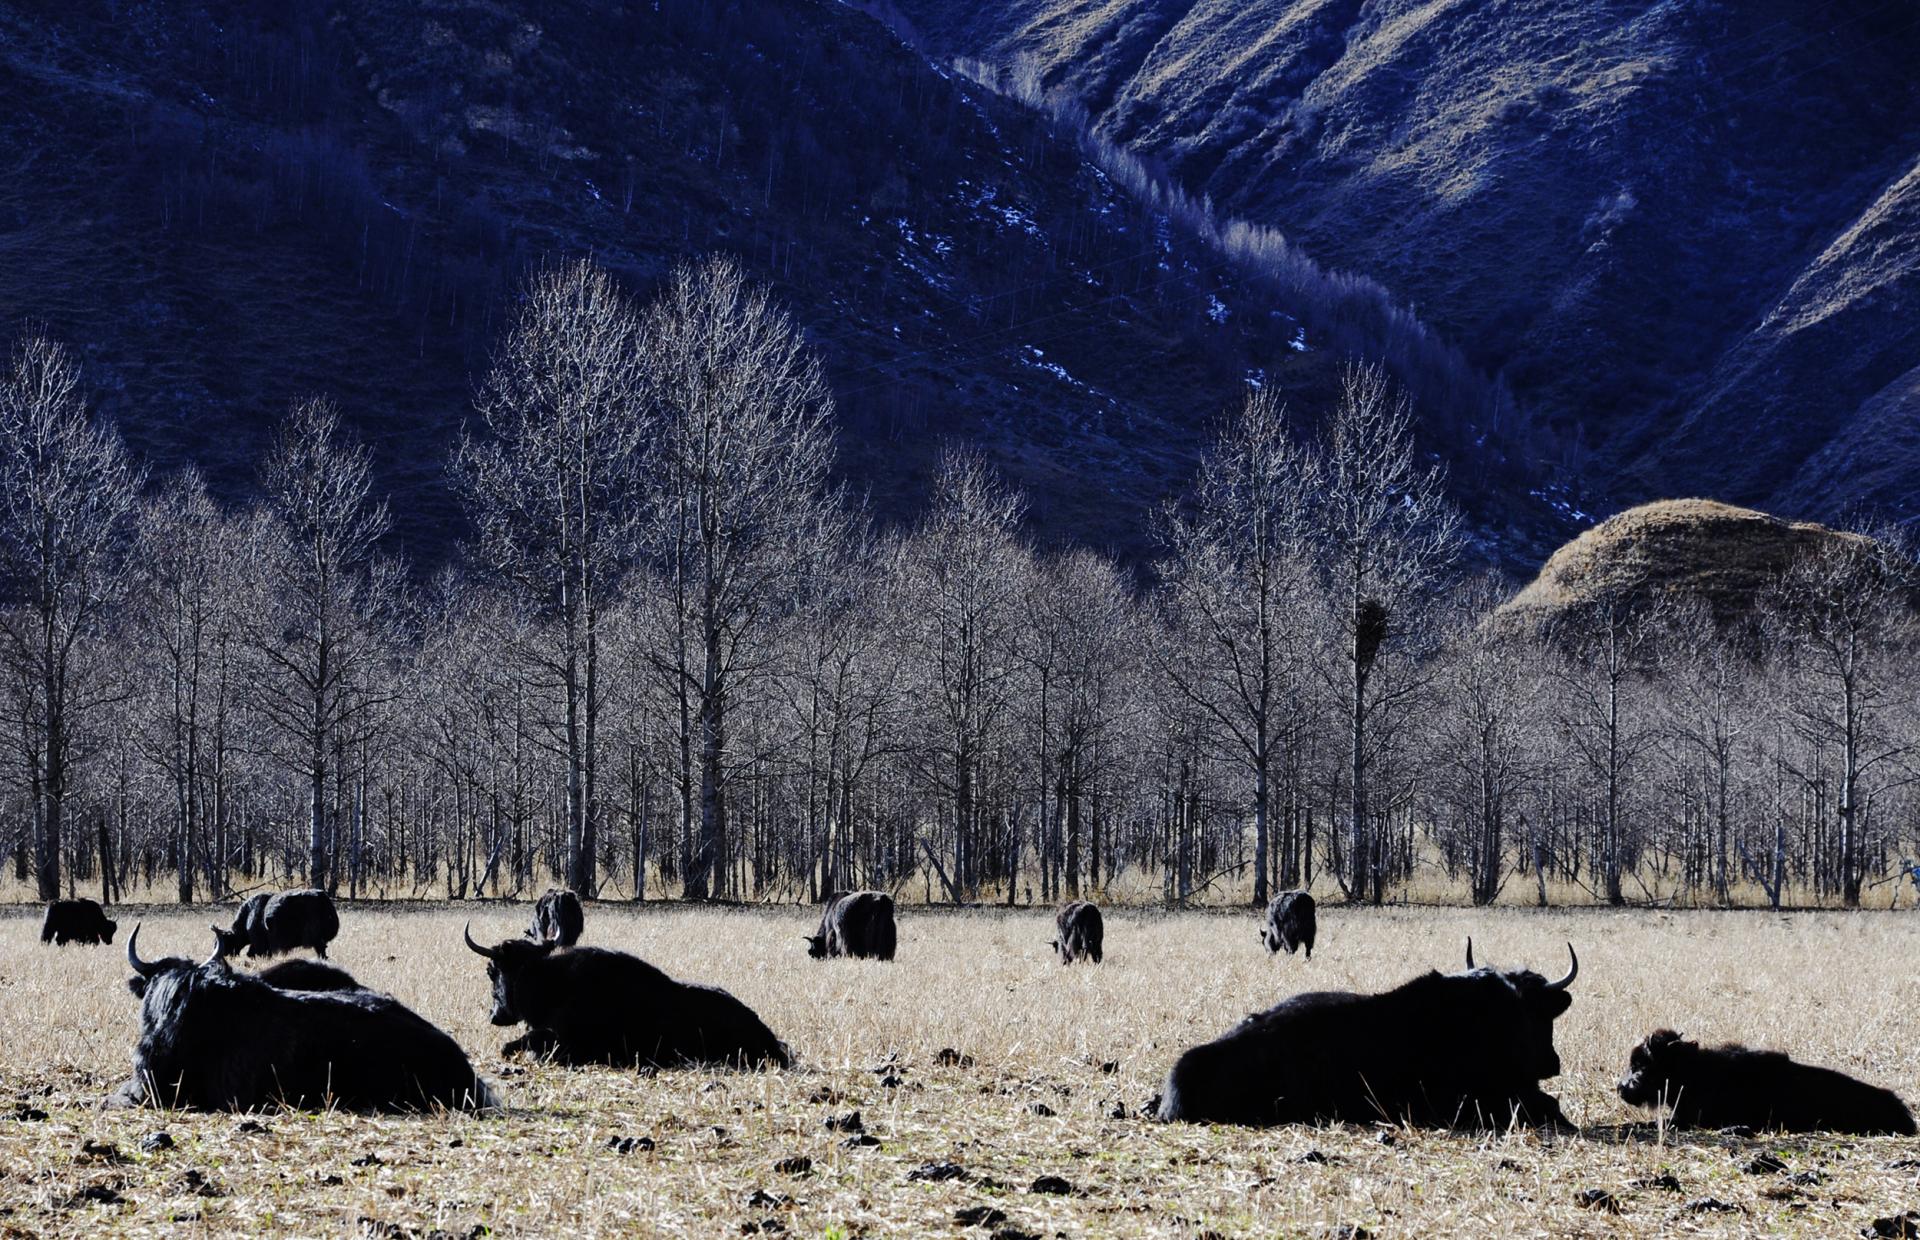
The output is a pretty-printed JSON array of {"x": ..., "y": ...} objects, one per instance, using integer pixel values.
[{"x": 1833, "y": 988}]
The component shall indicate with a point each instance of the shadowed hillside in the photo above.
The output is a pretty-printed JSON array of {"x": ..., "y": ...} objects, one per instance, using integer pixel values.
[
  {"x": 227, "y": 206},
  {"x": 1674, "y": 229}
]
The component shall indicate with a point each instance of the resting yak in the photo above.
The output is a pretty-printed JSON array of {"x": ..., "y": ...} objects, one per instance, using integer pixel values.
[
  {"x": 1456, "y": 1050},
  {"x": 214, "y": 1039},
  {"x": 76, "y": 921},
  {"x": 1289, "y": 924},
  {"x": 1079, "y": 932},
  {"x": 558, "y": 918},
  {"x": 270, "y": 925},
  {"x": 1725, "y": 1086},
  {"x": 591, "y": 1005},
  {"x": 855, "y": 923}
]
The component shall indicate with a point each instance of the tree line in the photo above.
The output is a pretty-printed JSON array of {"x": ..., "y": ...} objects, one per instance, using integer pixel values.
[{"x": 676, "y": 659}]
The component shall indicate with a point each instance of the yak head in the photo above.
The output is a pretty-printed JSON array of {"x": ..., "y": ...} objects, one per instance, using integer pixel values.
[
  {"x": 229, "y": 942},
  {"x": 1656, "y": 1067},
  {"x": 1542, "y": 1002},
  {"x": 816, "y": 945},
  {"x": 147, "y": 973},
  {"x": 110, "y": 925},
  {"x": 506, "y": 968}
]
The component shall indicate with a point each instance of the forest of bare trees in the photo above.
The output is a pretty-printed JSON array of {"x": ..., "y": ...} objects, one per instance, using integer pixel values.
[{"x": 675, "y": 660}]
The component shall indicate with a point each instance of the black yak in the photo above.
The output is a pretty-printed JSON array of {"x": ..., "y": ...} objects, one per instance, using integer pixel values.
[
  {"x": 591, "y": 1005},
  {"x": 558, "y": 918},
  {"x": 1725, "y": 1086},
  {"x": 1289, "y": 924},
  {"x": 212, "y": 1038},
  {"x": 76, "y": 921},
  {"x": 269, "y": 925},
  {"x": 1455, "y": 1050},
  {"x": 855, "y": 923},
  {"x": 1078, "y": 932},
  {"x": 304, "y": 974}
]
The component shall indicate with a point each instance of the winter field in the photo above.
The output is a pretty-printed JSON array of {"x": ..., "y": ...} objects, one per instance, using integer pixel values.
[{"x": 1053, "y": 1064}]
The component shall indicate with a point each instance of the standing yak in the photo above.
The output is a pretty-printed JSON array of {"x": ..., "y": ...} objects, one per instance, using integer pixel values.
[
  {"x": 1456, "y": 1050},
  {"x": 215, "y": 1039},
  {"x": 270, "y": 925},
  {"x": 558, "y": 918},
  {"x": 76, "y": 921},
  {"x": 1079, "y": 932},
  {"x": 1724, "y": 1086},
  {"x": 855, "y": 923},
  {"x": 1290, "y": 923},
  {"x": 591, "y": 1005}
]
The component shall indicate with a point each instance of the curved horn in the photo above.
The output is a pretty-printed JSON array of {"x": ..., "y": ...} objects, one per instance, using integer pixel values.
[
  {"x": 219, "y": 947},
  {"x": 488, "y": 952},
  {"x": 1469, "y": 951},
  {"x": 133, "y": 954},
  {"x": 1572, "y": 973}
]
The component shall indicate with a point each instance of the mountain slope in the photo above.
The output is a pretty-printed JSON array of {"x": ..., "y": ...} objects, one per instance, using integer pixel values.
[
  {"x": 225, "y": 206},
  {"x": 1655, "y": 220}
]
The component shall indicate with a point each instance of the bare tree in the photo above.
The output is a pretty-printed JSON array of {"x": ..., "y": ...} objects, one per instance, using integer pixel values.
[
  {"x": 323, "y": 629},
  {"x": 739, "y": 419},
  {"x": 1385, "y": 534},
  {"x": 552, "y": 486},
  {"x": 67, "y": 493},
  {"x": 194, "y": 580},
  {"x": 1236, "y": 581},
  {"x": 1843, "y": 609}
]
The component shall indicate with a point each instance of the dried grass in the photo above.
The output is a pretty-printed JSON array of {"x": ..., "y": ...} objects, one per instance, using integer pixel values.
[{"x": 1831, "y": 987}]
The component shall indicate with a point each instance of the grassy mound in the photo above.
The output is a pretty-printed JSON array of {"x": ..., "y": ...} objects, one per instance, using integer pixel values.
[{"x": 1669, "y": 550}]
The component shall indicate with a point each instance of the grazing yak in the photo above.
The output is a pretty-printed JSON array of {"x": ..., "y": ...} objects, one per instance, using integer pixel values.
[
  {"x": 1455, "y": 1050},
  {"x": 855, "y": 923},
  {"x": 1079, "y": 932},
  {"x": 1289, "y": 924},
  {"x": 270, "y": 925},
  {"x": 591, "y": 1005},
  {"x": 212, "y": 1038},
  {"x": 558, "y": 918},
  {"x": 1724, "y": 1086},
  {"x": 76, "y": 921}
]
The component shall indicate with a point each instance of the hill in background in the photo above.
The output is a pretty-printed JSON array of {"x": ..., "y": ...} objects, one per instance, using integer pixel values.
[{"x": 1685, "y": 234}]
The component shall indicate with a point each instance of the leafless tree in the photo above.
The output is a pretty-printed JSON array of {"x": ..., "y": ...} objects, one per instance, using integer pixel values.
[
  {"x": 67, "y": 495},
  {"x": 324, "y": 628},
  {"x": 552, "y": 486}
]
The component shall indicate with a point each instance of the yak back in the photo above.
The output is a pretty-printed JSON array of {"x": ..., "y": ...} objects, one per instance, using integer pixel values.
[
  {"x": 596, "y": 1005},
  {"x": 80, "y": 921},
  {"x": 1731, "y": 1085},
  {"x": 304, "y": 974},
  {"x": 858, "y": 924},
  {"x": 1437, "y": 1051},
  {"x": 1080, "y": 932},
  {"x": 215, "y": 1039}
]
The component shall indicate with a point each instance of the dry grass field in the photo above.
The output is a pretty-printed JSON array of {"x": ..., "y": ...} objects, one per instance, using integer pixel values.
[{"x": 1055, "y": 1062}]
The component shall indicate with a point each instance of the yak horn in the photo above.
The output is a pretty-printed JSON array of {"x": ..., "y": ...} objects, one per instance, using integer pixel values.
[
  {"x": 1572, "y": 973},
  {"x": 1469, "y": 951},
  {"x": 488, "y": 952},
  {"x": 133, "y": 954}
]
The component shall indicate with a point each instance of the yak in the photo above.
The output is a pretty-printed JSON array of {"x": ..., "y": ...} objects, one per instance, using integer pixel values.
[
  {"x": 212, "y": 1038},
  {"x": 303, "y": 974},
  {"x": 270, "y": 925},
  {"x": 1290, "y": 923},
  {"x": 1079, "y": 932},
  {"x": 1725, "y": 1086},
  {"x": 590, "y": 1005},
  {"x": 1441, "y": 1051},
  {"x": 76, "y": 921},
  {"x": 558, "y": 918},
  {"x": 855, "y": 923}
]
